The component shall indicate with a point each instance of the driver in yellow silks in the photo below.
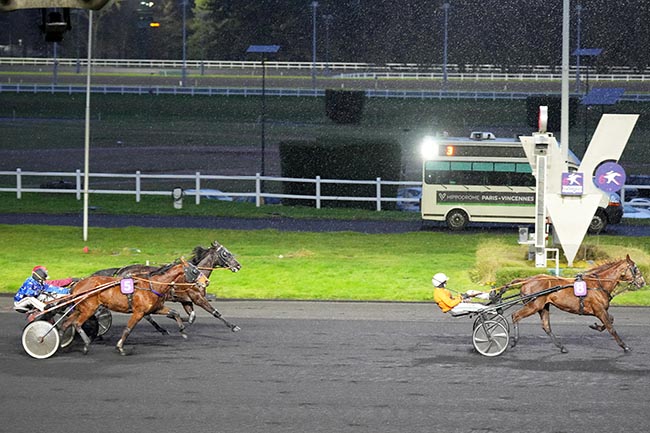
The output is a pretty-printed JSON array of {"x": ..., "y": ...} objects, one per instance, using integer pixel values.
[{"x": 448, "y": 302}]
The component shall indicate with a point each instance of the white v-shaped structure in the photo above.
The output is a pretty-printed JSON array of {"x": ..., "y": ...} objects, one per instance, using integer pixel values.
[{"x": 571, "y": 215}]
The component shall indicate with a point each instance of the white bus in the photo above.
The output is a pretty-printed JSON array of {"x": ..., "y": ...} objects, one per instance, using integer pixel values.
[{"x": 486, "y": 180}]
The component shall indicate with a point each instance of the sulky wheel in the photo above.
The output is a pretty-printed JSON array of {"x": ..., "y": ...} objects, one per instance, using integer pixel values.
[
  {"x": 105, "y": 319},
  {"x": 67, "y": 336},
  {"x": 490, "y": 338},
  {"x": 40, "y": 339},
  {"x": 494, "y": 316}
]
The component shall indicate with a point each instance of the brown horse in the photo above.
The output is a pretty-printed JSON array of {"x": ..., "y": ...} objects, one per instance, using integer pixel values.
[
  {"x": 206, "y": 259},
  {"x": 148, "y": 297},
  {"x": 602, "y": 282}
]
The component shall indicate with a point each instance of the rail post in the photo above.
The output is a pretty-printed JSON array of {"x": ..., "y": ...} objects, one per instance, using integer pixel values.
[
  {"x": 19, "y": 183},
  {"x": 138, "y": 186},
  {"x": 258, "y": 190},
  {"x": 197, "y": 186},
  {"x": 378, "y": 189},
  {"x": 78, "y": 182},
  {"x": 318, "y": 192}
]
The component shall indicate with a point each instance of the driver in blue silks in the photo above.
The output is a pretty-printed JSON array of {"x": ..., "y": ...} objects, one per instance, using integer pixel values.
[{"x": 35, "y": 291}]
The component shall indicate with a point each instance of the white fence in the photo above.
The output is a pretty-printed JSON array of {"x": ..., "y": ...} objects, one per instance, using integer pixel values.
[
  {"x": 72, "y": 183},
  {"x": 255, "y": 91},
  {"x": 252, "y": 187},
  {"x": 469, "y": 70}
]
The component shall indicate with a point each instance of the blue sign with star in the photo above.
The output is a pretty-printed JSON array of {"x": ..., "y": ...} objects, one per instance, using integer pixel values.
[{"x": 610, "y": 177}]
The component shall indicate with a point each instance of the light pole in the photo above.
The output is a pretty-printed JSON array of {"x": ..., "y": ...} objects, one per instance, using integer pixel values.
[
  {"x": 445, "y": 8},
  {"x": 184, "y": 72},
  {"x": 55, "y": 70},
  {"x": 314, "y": 5},
  {"x": 87, "y": 127},
  {"x": 578, "y": 31},
  {"x": 328, "y": 20},
  {"x": 264, "y": 50}
]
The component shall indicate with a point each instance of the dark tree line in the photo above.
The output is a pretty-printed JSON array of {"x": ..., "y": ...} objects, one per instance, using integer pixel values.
[{"x": 502, "y": 32}]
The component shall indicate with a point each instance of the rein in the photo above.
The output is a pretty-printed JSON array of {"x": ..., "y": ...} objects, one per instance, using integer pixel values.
[
  {"x": 173, "y": 285},
  {"x": 616, "y": 280}
]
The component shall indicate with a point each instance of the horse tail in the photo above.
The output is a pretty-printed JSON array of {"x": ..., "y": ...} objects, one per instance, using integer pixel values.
[{"x": 497, "y": 293}]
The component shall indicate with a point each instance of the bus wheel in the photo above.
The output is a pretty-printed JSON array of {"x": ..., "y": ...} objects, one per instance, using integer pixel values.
[
  {"x": 598, "y": 222},
  {"x": 457, "y": 220}
]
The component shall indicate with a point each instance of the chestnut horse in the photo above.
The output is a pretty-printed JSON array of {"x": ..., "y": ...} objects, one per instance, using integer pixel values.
[
  {"x": 602, "y": 282},
  {"x": 148, "y": 297},
  {"x": 206, "y": 259}
]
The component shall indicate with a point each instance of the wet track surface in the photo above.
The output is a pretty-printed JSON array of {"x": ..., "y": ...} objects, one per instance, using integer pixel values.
[{"x": 325, "y": 367}]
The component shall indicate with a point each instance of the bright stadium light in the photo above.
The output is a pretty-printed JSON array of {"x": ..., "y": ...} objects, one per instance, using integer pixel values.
[{"x": 429, "y": 147}]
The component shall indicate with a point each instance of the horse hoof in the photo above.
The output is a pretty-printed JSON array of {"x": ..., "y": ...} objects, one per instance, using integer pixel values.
[
  {"x": 85, "y": 350},
  {"x": 184, "y": 335},
  {"x": 235, "y": 328},
  {"x": 627, "y": 349},
  {"x": 563, "y": 350}
]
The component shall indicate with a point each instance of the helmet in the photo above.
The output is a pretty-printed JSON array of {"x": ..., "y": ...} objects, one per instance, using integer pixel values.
[
  {"x": 439, "y": 279},
  {"x": 39, "y": 273}
]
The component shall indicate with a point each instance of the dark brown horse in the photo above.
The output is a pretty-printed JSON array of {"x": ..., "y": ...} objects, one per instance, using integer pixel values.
[
  {"x": 206, "y": 259},
  {"x": 148, "y": 297},
  {"x": 602, "y": 283}
]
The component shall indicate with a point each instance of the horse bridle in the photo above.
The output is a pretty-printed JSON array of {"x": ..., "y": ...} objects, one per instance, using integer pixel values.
[
  {"x": 637, "y": 278},
  {"x": 224, "y": 256},
  {"x": 191, "y": 274},
  {"x": 636, "y": 282}
]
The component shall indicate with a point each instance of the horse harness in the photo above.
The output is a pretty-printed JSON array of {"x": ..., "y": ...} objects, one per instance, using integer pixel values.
[
  {"x": 192, "y": 273},
  {"x": 610, "y": 295}
]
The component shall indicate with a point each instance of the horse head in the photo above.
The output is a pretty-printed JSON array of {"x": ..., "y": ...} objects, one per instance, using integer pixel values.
[
  {"x": 632, "y": 274},
  {"x": 180, "y": 272},
  {"x": 217, "y": 256},
  {"x": 192, "y": 274}
]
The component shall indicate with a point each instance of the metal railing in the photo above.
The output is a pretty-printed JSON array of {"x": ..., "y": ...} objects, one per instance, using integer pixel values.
[
  {"x": 466, "y": 69},
  {"x": 493, "y": 76},
  {"x": 297, "y": 92},
  {"x": 251, "y": 187},
  {"x": 72, "y": 183}
]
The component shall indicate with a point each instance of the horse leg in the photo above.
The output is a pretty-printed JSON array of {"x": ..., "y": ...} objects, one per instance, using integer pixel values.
[
  {"x": 155, "y": 324},
  {"x": 84, "y": 337},
  {"x": 232, "y": 326},
  {"x": 189, "y": 309},
  {"x": 605, "y": 317},
  {"x": 203, "y": 303},
  {"x": 135, "y": 318},
  {"x": 76, "y": 319},
  {"x": 172, "y": 314},
  {"x": 545, "y": 316},
  {"x": 601, "y": 328},
  {"x": 525, "y": 311}
]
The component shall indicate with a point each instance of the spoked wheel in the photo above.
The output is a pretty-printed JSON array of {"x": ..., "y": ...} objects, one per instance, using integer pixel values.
[
  {"x": 40, "y": 339},
  {"x": 495, "y": 317},
  {"x": 490, "y": 338},
  {"x": 67, "y": 336},
  {"x": 105, "y": 319}
]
